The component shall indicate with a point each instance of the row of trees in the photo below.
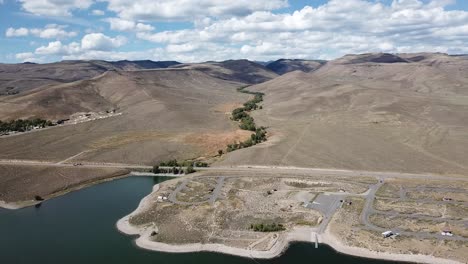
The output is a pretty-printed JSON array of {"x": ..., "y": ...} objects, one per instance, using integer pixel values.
[
  {"x": 241, "y": 114},
  {"x": 21, "y": 125},
  {"x": 267, "y": 227},
  {"x": 186, "y": 163},
  {"x": 258, "y": 137},
  {"x": 174, "y": 170},
  {"x": 246, "y": 122}
]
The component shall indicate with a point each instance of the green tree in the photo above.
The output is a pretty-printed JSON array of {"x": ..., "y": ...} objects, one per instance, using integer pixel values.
[
  {"x": 189, "y": 170},
  {"x": 156, "y": 169}
]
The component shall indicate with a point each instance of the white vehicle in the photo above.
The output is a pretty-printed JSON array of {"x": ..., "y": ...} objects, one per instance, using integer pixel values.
[
  {"x": 446, "y": 233},
  {"x": 387, "y": 234}
]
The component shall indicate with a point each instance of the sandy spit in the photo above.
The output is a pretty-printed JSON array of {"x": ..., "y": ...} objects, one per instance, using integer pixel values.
[{"x": 299, "y": 234}]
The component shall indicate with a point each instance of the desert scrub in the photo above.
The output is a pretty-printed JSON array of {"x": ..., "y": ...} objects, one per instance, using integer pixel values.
[{"x": 267, "y": 227}]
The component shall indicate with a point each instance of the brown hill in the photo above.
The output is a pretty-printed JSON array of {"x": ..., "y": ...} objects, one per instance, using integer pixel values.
[
  {"x": 17, "y": 78},
  {"x": 233, "y": 70},
  {"x": 405, "y": 112},
  {"x": 172, "y": 113},
  {"x": 283, "y": 66}
]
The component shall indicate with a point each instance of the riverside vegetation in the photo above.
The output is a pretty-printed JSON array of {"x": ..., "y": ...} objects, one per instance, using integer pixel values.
[
  {"x": 176, "y": 167},
  {"x": 21, "y": 125},
  {"x": 246, "y": 122},
  {"x": 267, "y": 227}
]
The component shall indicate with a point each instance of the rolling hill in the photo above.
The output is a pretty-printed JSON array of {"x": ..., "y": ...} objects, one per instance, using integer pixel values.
[
  {"x": 233, "y": 70},
  {"x": 283, "y": 66},
  {"x": 17, "y": 78},
  {"x": 382, "y": 112}
]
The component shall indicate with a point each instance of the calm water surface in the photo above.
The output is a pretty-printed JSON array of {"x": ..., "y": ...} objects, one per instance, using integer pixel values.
[{"x": 80, "y": 228}]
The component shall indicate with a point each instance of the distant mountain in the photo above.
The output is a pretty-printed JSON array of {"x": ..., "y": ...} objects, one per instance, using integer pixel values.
[
  {"x": 263, "y": 63},
  {"x": 283, "y": 66},
  {"x": 372, "y": 57},
  {"x": 243, "y": 71},
  {"x": 143, "y": 64}
]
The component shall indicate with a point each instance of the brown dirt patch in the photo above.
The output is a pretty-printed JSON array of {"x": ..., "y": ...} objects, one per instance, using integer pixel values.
[
  {"x": 212, "y": 142},
  {"x": 227, "y": 107}
]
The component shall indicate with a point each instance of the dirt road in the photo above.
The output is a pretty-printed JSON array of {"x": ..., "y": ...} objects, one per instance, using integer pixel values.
[{"x": 247, "y": 169}]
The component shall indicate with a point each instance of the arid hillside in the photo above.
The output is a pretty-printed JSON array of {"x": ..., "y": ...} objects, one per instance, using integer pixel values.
[
  {"x": 16, "y": 78},
  {"x": 406, "y": 112},
  {"x": 234, "y": 70},
  {"x": 162, "y": 114},
  {"x": 283, "y": 66}
]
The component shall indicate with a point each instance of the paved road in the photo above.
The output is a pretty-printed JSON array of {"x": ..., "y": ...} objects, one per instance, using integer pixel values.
[{"x": 327, "y": 204}]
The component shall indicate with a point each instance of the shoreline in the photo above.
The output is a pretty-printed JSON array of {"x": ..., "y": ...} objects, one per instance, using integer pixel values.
[
  {"x": 298, "y": 234},
  {"x": 27, "y": 203}
]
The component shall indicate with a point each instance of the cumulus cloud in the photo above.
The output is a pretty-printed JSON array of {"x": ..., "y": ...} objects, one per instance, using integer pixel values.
[
  {"x": 97, "y": 12},
  {"x": 250, "y": 29},
  {"x": 188, "y": 9},
  {"x": 54, "y": 7},
  {"x": 51, "y": 31},
  {"x": 93, "y": 43},
  {"x": 54, "y": 48},
  {"x": 330, "y": 30},
  {"x": 25, "y": 56},
  {"x": 19, "y": 32},
  {"x": 99, "y": 41},
  {"x": 127, "y": 25}
]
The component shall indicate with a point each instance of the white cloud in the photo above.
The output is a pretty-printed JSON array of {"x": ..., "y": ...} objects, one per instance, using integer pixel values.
[
  {"x": 53, "y": 48},
  {"x": 188, "y": 9},
  {"x": 91, "y": 44},
  {"x": 101, "y": 42},
  {"x": 97, "y": 12},
  {"x": 330, "y": 30},
  {"x": 249, "y": 29},
  {"x": 54, "y": 7},
  {"x": 127, "y": 25},
  {"x": 51, "y": 31},
  {"x": 19, "y": 32},
  {"x": 25, "y": 56}
]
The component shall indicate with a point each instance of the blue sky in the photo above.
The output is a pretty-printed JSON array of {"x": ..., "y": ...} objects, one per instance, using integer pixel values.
[{"x": 200, "y": 30}]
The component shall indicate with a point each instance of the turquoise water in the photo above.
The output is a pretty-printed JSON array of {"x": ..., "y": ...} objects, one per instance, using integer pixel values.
[{"x": 80, "y": 228}]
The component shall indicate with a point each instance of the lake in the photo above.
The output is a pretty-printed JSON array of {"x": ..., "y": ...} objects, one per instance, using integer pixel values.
[{"x": 79, "y": 227}]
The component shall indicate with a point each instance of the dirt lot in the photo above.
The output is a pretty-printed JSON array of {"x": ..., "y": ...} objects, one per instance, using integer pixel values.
[
  {"x": 410, "y": 207},
  {"x": 346, "y": 225},
  {"x": 418, "y": 225}
]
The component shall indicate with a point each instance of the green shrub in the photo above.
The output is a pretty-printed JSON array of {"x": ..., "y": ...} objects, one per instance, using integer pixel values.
[
  {"x": 189, "y": 170},
  {"x": 267, "y": 227},
  {"x": 21, "y": 125}
]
